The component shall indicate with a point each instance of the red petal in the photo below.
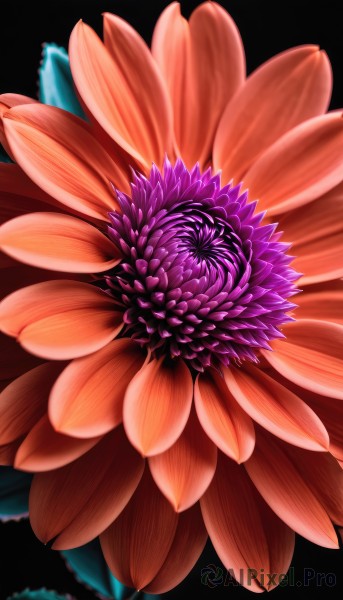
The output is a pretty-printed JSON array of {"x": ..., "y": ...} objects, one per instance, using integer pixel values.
[
  {"x": 189, "y": 542},
  {"x": 58, "y": 242},
  {"x": 288, "y": 89},
  {"x": 324, "y": 477},
  {"x": 323, "y": 302},
  {"x": 311, "y": 356},
  {"x": 137, "y": 544},
  {"x": 44, "y": 449},
  {"x": 151, "y": 127},
  {"x": 330, "y": 411},
  {"x": 288, "y": 490},
  {"x": 126, "y": 95},
  {"x": 317, "y": 243},
  {"x": 311, "y": 152},
  {"x": 228, "y": 426},
  {"x": 60, "y": 154},
  {"x": 204, "y": 65},
  {"x": 184, "y": 471},
  {"x": 60, "y": 319},
  {"x": 24, "y": 401},
  {"x": 157, "y": 405},
  {"x": 77, "y": 502},
  {"x": 246, "y": 534},
  {"x": 276, "y": 408},
  {"x": 103, "y": 375},
  {"x": 8, "y": 101}
]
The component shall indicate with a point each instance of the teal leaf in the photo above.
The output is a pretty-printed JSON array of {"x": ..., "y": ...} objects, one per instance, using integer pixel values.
[
  {"x": 37, "y": 595},
  {"x": 14, "y": 493},
  {"x": 90, "y": 568},
  {"x": 55, "y": 81}
]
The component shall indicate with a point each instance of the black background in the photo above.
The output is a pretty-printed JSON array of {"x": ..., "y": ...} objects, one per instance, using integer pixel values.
[{"x": 267, "y": 27}]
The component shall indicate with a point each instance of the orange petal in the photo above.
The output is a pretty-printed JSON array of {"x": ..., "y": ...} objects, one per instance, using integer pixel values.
[
  {"x": 137, "y": 544},
  {"x": 324, "y": 476},
  {"x": 204, "y": 65},
  {"x": 311, "y": 356},
  {"x": 334, "y": 424},
  {"x": 44, "y": 450},
  {"x": 317, "y": 240},
  {"x": 19, "y": 196},
  {"x": 23, "y": 402},
  {"x": 103, "y": 376},
  {"x": 323, "y": 302},
  {"x": 228, "y": 426},
  {"x": 246, "y": 534},
  {"x": 58, "y": 242},
  {"x": 288, "y": 491},
  {"x": 8, "y": 101},
  {"x": 60, "y": 319},
  {"x": 184, "y": 471},
  {"x": 60, "y": 154},
  {"x": 188, "y": 543},
  {"x": 157, "y": 405},
  {"x": 151, "y": 135},
  {"x": 276, "y": 408},
  {"x": 77, "y": 502},
  {"x": 122, "y": 89},
  {"x": 283, "y": 92},
  {"x": 311, "y": 153},
  {"x": 14, "y": 360},
  {"x": 330, "y": 411}
]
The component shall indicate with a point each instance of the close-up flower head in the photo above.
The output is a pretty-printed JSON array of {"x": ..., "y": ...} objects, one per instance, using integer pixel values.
[{"x": 171, "y": 322}]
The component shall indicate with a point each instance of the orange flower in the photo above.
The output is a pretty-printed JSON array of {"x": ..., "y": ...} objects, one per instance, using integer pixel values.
[{"x": 163, "y": 386}]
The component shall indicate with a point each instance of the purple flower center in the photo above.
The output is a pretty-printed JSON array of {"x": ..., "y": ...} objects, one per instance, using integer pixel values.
[{"x": 201, "y": 278}]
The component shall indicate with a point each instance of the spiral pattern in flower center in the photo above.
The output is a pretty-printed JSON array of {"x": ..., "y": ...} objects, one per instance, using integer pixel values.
[
  {"x": 201, "y": 277},
  {"x": 210, "y": 241}
]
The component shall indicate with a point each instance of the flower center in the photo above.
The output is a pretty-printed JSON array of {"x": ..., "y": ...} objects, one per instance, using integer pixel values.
[
  {"x": 201, "y": 277},
  {"x": 210, "y": 241}
]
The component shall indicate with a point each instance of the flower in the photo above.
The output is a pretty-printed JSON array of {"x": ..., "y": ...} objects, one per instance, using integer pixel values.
[{"x": 175, "y": 390}]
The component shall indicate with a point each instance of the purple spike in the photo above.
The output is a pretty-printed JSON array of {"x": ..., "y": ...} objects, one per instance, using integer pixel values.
[{"x": 202, "y": 277}]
